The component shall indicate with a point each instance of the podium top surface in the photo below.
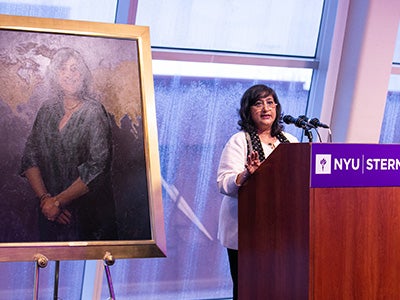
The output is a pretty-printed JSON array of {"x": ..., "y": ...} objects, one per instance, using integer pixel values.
[{"x": 354, "y": 165}]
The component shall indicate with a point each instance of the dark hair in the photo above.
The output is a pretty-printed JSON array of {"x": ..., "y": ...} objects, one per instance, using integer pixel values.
[{"x": 250, "y": 97}]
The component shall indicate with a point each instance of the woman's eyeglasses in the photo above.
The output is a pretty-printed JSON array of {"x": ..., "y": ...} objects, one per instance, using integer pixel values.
[{"x": 259, "y": 104}]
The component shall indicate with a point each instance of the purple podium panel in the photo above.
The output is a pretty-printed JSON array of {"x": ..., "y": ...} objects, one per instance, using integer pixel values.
[{"x": 355, "y": 165}]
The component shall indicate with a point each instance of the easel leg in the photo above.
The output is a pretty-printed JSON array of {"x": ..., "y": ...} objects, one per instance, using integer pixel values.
[
  {"x": 41, "y": 262},
  {"x": 56, "y": 278},
  {"x": 109, "y": 261}
]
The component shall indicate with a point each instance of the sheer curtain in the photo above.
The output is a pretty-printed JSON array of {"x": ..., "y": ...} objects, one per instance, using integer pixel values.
[
  {"x": 390, "y": 131},
  {"x": 195, "y": 118}
]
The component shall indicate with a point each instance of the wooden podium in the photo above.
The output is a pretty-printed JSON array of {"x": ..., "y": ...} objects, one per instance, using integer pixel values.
[{"x": 302, "y": 242}]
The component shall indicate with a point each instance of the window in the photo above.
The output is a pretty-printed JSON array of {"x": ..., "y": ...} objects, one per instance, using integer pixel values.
[
  {"x": 285, "y": 27},
  {"x": 88, "y": 10}
]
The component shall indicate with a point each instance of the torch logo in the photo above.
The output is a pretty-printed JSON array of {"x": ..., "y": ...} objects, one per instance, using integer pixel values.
[{"x": 322, "y": 164}]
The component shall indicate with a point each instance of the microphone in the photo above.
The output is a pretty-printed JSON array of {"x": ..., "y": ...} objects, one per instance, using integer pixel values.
[
  {"x": 316, "y": 123},
  {"x": 304, "y": 118},
  {"x": 298, "y": 122}
]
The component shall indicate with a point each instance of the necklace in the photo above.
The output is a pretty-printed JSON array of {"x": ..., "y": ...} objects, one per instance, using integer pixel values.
[
  {"x": 72, "y": 107},
  {"x": 270, "y": 141}
]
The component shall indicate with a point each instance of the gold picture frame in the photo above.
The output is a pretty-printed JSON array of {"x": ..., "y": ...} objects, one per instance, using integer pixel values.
[{"x": 119, "y": 58}]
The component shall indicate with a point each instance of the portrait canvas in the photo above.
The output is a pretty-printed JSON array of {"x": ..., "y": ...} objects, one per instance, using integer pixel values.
[{"x": 79, "y": 153}]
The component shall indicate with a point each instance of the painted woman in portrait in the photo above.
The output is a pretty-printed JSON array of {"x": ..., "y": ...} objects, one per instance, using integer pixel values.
[{"x": 68, "y": 156}]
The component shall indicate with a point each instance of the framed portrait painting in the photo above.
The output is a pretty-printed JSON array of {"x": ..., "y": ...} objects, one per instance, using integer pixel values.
[{"x": 78, "y": 134}]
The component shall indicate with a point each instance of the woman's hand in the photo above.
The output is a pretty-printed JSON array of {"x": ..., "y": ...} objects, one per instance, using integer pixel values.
[
  {"x": 253, "y": 162},
  {"x": 64, "y": 217},
  {"x": 52, "y": 211}
]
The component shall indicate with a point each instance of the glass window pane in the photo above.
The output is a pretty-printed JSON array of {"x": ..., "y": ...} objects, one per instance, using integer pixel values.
[
  {"x": 88, "y": 10},
  {"x": 286, "y": 27}
]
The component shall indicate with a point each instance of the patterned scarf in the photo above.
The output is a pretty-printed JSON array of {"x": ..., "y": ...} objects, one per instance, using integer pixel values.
[{"x": 254, "y": 143}]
